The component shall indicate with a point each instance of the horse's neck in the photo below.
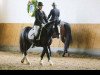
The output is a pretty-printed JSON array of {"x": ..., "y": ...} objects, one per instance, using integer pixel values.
[{"x": 61, "y": 23}]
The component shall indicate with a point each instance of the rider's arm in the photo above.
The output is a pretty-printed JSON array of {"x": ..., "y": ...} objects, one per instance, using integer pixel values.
[
  {"x": 50, "y": 14},
  {"x": 45, "y": 17}
]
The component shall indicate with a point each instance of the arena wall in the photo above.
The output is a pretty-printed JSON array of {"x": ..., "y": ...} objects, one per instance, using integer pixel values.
[
  {"x": 83, "y": 16},
  {"x": 85, "y": 36}
]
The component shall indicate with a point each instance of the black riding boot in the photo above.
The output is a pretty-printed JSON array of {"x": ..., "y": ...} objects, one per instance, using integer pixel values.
[
  {"x": 57, "y": 33},
  {"x": 33, "y": 43}
]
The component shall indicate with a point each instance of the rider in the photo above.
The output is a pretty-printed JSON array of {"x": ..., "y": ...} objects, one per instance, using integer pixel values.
[
  {"x": 40, "y": 21},
  {"x": 54, "y": 14}
]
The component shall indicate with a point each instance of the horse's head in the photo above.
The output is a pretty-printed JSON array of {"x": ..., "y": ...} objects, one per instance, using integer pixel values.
[{"x": 50, "y": 24}]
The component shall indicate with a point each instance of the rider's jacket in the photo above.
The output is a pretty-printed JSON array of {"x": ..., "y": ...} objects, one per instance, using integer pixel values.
[
  {"x": 54, "y": 14},
  {"x": 40, "y": 18}
]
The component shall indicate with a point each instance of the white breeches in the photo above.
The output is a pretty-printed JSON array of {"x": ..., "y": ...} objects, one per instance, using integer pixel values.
[
  {"x": 33, "y": 32},
  {"x": 58, "y": 28}
]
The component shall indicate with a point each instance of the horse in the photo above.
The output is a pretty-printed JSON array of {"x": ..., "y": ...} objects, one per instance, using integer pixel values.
[
  {"x": 45, "y": 42},
  {"x": 66, "y": 36}
]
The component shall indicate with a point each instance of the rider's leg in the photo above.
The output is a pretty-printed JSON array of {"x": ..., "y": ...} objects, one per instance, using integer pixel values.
[
  {"x": 59, "y": 31},
  {"x": 37, "y": 34},
  {"x": 56, "y": 29},
  {"x": 31, "y": 36},
  {"x": 36, "y": 28}
]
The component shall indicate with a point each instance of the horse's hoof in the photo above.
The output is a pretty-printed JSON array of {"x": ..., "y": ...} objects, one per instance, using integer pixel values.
[
  {"x": 63, "y": 55},
  {"x": 22, "y": 61},
  {"x": 51, "y": 63},
  {"x": 28, "y": 63},
  {"x": 68, "y": 54},
  {"x": 41, "y": 63}
]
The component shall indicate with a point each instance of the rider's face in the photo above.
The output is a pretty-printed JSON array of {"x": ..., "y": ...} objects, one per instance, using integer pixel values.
[
  {"x": 40, "y": 7},
  {"x": 54, "y": 6}
]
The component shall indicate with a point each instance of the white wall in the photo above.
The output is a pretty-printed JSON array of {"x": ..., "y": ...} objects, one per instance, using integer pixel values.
[
  {"x": 1, "y": 2},
  {"x": 72, "y": 11},
  {"x": 15, "y": 11}
]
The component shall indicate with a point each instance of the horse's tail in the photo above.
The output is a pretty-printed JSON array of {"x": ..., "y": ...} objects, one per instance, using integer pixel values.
[
  {"x": 68, "y": 30},
  {"x": 24, "y": 43}
]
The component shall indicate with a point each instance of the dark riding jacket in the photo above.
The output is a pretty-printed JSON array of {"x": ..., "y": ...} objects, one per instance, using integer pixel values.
[
  {"x": 40, "y": 18},
  {"x": 54, "y": 14}
]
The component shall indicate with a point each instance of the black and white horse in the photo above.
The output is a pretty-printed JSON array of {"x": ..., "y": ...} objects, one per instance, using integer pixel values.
[{"x": 45, "y": 42}]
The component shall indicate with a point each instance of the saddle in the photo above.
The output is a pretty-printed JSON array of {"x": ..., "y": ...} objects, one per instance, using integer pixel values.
[
  {"x": 39, "y": 34},
  {"x": 36, "y": 40}
]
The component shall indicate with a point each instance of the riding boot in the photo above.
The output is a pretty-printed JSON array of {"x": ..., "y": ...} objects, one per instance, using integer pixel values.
[
  {"x": 39, "y": 34},
  {"x": 33, "y": 43},
  {"x": 38, "y": 38},
  {"x": 57, "y": 33}
]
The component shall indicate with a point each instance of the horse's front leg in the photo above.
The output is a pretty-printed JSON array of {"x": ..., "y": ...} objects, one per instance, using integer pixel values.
[
  {"x": 49, "y": 50},
  {"x": 25, "y": 58},
  {"x": 42, "y": 55},
  {"x": 48, "y": 55}
]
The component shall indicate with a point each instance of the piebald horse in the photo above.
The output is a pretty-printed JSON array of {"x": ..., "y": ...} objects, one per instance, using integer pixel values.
[{"x": 45, "y": 42}]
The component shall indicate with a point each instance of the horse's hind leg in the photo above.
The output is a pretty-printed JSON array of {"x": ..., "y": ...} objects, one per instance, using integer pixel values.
[
  {"x": 63, "y": 54},
  {"x": 22, "y": 61},
  {"x": 66, "y": 46},
  {"x": 25, "y": 58}
]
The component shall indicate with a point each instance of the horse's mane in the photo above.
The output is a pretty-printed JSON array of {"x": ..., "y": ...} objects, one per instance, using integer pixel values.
[{"x": 49, "y": 23}]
